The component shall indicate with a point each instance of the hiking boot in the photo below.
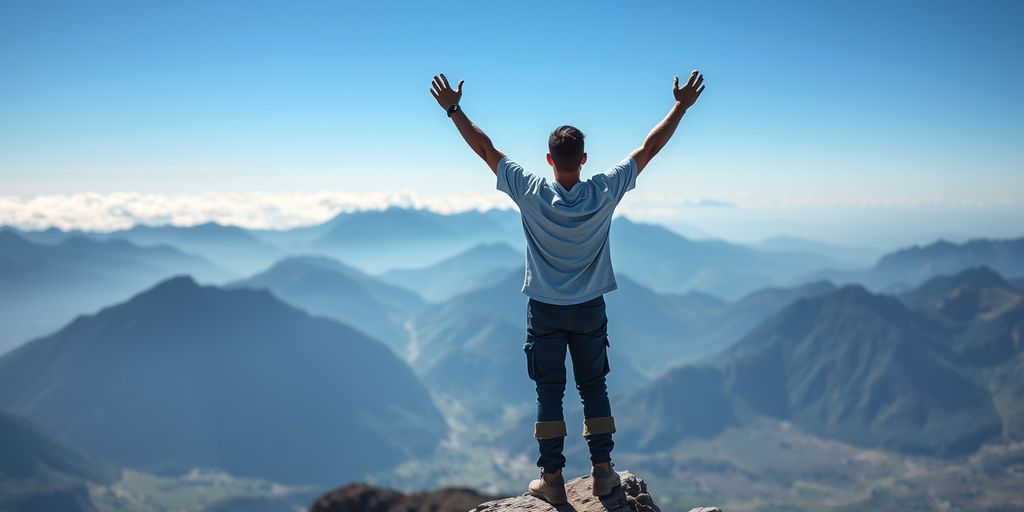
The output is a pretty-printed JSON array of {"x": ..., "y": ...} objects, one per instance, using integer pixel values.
[
  {"x": 605, "y": 479},
  {"x": 552, "y": 492}
]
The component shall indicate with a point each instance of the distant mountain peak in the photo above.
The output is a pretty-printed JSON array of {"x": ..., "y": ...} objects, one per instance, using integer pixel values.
[
  {"x": 176, "y": 282},
  {"x": 12, "y": 236},
  {"x": 175, "y": 288},
  {"x": 305, "y": 261},
  {"x": 853, "y": 291},
  {"x": 975, "y": 293}
]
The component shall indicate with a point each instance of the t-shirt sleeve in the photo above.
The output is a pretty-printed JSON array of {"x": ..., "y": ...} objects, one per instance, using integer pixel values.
[
  {"x": 621, "y": 178},
  {"x": 512, "y": 179}
]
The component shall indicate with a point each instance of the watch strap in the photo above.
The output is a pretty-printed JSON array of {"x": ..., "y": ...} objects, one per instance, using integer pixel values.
[{"x": 452, "y": 109}]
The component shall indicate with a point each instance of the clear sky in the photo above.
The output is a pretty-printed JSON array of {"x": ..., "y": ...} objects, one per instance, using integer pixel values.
[{"x": 844, "y": 121}]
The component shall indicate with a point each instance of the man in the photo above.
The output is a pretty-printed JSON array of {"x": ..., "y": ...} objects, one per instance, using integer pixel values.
[{"x": 568, "y": 271}]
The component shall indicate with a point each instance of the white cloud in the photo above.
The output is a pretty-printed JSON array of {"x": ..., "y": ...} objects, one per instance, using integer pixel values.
[
  {"x": 736, "y": 214},
  {"x": 118, "y": 210}
]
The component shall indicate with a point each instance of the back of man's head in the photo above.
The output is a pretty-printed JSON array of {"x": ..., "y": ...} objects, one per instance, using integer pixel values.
[{"x": 566, "y": 147}]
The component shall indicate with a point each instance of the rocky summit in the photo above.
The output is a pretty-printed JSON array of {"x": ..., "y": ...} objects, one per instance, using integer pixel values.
[{"x": 632, "y": 496}]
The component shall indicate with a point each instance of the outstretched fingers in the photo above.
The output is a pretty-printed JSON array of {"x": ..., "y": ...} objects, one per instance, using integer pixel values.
[{"x": 693, "y": 76}]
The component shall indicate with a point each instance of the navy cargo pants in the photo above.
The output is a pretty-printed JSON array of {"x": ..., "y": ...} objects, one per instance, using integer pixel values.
[{"x": 583, "y": 330}]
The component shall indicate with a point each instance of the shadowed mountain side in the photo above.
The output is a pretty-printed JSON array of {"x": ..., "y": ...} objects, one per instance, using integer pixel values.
[
  {"x": 478, "y": 359},
  {"x": 848, "y": 365},
  {"x": 936, "y": 293},
  {"x": 864, "y": 369},
  {"x": 39, "y": 473},
  {"x": 906, "y": 268},
  {"x": 1018, "y": 283},
  {"x": 669, "y": 263},
  {"x": 234, "y": 379},
  {"x": 738, "y": 318},
  {"x": 983, "y": 316},
  {"x": 979, "y": 311},
  {"x": 678, "y": 329},
  {"x": 45, "y": 284},
  {"x": 361, "y": 497},
  {"x": 1007, "y": 384},
  {"x": 685, "y": 402},
  {"x": 482, "y": 265},
  {"x": 325, "y": 287}
]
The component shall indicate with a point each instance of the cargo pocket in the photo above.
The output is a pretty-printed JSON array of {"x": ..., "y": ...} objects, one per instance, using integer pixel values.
[
  {"x": 531, "y": 368},
  {"x": 606, "y": 345}
]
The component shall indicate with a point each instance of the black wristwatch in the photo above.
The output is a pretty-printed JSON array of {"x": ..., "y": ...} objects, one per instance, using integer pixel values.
[{"x": 453, "y": 109}]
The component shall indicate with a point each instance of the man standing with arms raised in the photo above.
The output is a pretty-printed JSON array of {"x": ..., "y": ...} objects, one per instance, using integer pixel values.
[{"x": 568, "y": 270}]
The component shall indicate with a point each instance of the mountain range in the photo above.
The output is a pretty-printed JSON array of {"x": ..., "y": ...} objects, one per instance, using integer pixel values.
[
  {"x": 44, "y": 284},
  {"x": 479, "y": 266},
  {"x": 908, "y": 267},
  {"x": 377, "y": 242},
  {"x": 863, "y": 368},
  {"x": 326, "y": 287},
  {"x": 182, "y": 375},
  {"x": 872, "y": 370},
  {"x": 343, "y": 336}
]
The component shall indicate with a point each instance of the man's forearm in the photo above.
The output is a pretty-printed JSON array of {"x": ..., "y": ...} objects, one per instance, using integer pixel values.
[
  {"x": 478, "y": 141},
  {"x": 660, "y": 134}
]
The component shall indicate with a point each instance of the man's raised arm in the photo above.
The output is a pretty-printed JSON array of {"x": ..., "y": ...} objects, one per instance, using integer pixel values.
[
  {"x": 661, "y": 133},
  {"x": 475, "y": 137}
]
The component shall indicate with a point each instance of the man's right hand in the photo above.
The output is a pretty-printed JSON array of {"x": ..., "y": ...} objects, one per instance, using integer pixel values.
[
  {"x": 689, "y": 93},
  {"x": 443, "y": 92}
]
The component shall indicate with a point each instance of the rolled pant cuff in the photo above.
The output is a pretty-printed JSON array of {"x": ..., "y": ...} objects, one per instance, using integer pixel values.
[
  {"x": 601, "y": 425},
  {"x": 549, "y": 429}
]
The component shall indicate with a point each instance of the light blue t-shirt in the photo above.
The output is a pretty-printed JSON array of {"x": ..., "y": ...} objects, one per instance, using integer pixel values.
[{"x": 567, "y": 256}]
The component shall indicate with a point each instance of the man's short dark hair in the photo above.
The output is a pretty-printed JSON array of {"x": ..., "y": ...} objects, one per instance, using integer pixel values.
[{"x": 566, "y": 147}]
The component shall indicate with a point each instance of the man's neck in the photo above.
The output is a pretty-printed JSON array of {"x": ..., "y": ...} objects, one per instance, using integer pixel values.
[{"x": 567, "y": 180}]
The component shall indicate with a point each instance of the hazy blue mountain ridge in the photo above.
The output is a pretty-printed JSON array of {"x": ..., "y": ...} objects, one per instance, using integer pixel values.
[
  {"x": 669, "y": 263},
  {"x": 325, "y": 287},
  {"x": 848, "y": 365},
  {"x": 234, "y": 379},
  {"x": 378, "y": 241},
  {"x": 44, "y": 284},
  {"x": 40, "y": 473},
  {"x": 479, "y": 266},
  {"x": 901, "y": 270}
]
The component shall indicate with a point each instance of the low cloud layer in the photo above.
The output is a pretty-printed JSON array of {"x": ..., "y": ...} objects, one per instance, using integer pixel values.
[
  {"x": 737, "y": 216},
  {"x": 111, "y": 211}
]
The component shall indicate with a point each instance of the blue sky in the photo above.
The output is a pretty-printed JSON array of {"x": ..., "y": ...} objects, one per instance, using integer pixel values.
[{"x": 841, "y": 121}]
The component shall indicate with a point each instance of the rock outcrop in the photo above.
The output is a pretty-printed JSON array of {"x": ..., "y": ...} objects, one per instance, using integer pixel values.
[
  {"x": 632, "y": 496},
  {"x": 367, "y": 498}
]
